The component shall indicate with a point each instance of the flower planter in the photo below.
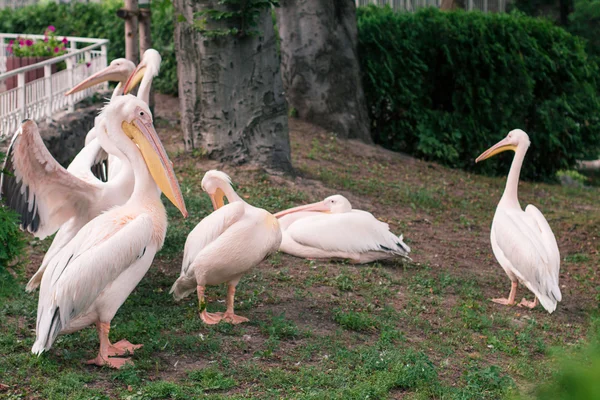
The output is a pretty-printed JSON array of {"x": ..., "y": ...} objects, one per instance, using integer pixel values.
[{"x": 18, "y": 62}]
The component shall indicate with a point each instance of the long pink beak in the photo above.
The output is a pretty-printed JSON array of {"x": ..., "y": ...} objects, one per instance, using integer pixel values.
[
  {"x": 109, "y": 73},
  {"x": 319, "y": 206}
]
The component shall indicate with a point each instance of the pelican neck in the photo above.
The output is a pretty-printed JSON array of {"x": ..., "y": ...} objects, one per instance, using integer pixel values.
[{"x": 510, "y": 198}]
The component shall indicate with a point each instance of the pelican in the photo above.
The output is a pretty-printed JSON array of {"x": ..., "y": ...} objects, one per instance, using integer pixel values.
[
  {"x": 332, "y": 229},
  {"x": 118, "y": 71},
  {"x": 224, "y": 246},
  {"x": 94, "y": 197},
  {"x": 147, "y": 69},
  {"x": 522, "y": 241},
  {"x": 91, "y": 277}
]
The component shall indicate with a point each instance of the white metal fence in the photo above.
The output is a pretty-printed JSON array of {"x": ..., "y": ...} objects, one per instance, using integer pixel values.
[
  {"x": 23, "y": 3},
  {"x": 43, "y": 97},
  {"x": 413, "y": 5}
]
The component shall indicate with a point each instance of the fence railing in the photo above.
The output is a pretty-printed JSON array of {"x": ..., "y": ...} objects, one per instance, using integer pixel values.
[
  {"x": 42, "y": 98},
  {"x": 413, "y": 5}
]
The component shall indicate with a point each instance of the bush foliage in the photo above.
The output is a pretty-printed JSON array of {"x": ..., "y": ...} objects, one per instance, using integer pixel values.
[
  {"x": 11, "y": 238},
  {"x": 585, "y": 22},
  {"x": 99, "y": 20},
  {"x": 447, "y": 85}
]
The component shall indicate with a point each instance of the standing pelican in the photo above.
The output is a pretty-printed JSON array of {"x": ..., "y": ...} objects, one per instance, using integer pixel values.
[
  {"x": 224, "y": 246},
  {"x": 119, "y": 70},
  {"x": 522, "y": 241},
  {"x": 332, "y": 229},
  {"x": 91, "y": 277}
]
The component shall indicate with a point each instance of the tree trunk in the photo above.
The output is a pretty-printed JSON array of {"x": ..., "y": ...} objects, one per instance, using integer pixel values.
[
  {"x": 448, "y": 5},
  {"x": 230, "y": 90},
  {"x": 319, "y": 61}
]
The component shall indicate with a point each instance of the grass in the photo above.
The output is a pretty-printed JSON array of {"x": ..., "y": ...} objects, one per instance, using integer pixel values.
[{"x": 331, "y": 330}]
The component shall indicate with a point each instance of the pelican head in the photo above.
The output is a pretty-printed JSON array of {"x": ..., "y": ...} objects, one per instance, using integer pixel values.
[
  {"x": 515, "y": 139},
  {"x": 150, "y": 65},
  {"x": 134, "y": 119},
  {"x": 118, "y": 71},
  {"x": 335, "y": 204},
  {"x": 215, "y": 184}
]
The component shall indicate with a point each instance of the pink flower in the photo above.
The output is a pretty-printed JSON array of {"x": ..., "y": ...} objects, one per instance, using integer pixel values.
[
  {"x": 11, "y": 42},
  {"x": 87, "y": 64},
  {"x": 46, "y": 39},
  {"x": 51, "y": 28},
  {"x": 56, "y": 49},
  {"x": 65, "y": 41},
  {"x": 10, "y": 50},
  {"x": 29, "y": 42},
  {"x": 21, "y": 42}
]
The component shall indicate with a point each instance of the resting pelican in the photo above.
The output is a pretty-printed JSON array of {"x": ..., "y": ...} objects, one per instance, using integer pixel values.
[
  {"x": 332, "y": 229},
  {"x": 522, "y": 241},
  {"x": 89, "y": 279},
  {"x": 224, "y": 246},
  {"x": 147, "y": 69}
]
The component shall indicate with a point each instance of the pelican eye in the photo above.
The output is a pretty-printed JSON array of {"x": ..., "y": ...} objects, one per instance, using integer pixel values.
[{"x": 142, "y": 113}]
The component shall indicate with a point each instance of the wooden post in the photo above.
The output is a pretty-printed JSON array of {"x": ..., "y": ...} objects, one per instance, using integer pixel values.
[
  {"x": 130, "y": 15},
  {"x": 145, "y": 17}
]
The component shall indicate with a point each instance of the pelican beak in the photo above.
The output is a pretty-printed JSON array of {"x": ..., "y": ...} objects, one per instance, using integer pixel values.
[
  {"x": 143, "y": 134},
  {"x": 499, "y": 147},
  {"x": 217, "y": 198},
  {"x": 135, "y": 78},
  {"x": 319, "y": 206},
  {"x": 110, "y": 73}
]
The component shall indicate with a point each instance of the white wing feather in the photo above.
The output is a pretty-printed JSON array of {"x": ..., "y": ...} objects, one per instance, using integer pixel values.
[
  {"x": 44, "y": 193},
  {"x": 519, "y": 237},
  {"x": 353, "y": 232},
  {"x": 97, "y": 255}
]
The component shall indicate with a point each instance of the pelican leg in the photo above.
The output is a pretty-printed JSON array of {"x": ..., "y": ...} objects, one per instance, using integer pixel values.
[
  {"x": 229, "y": 315},
  {"x": 208, "y": 318},
  {"x": 529, "y": 304},
  {"x": 511, "y": 297},
  {"x": 103, "y": 355}
]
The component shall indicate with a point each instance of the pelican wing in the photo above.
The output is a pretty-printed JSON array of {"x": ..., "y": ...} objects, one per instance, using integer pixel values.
[
  {"x": 353, "y": 232},
  {"x": 205, "y": 233},
  {"x": 521, "y": 240},
  {"x": 38, "y": 187},
  {"x": 95, "y": 257}
]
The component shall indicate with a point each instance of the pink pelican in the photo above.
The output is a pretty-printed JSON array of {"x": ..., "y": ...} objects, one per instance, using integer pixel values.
[
  {"x": 91, "y": 277},
  {"x": 332, "y": 229},
  {"x": 224, "y": 246},
  {"x": 147, "y": 69},
  {"x": 522, "y": 241}
]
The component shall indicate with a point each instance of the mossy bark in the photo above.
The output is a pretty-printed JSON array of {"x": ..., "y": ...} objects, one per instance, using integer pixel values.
[{"x": 231, "y": 91}]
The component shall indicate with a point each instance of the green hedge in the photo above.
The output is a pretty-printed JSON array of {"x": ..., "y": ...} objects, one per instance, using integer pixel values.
[
  {"x": 585, "y": 22},
  {"x": 99, "y": 20},
  {"x": 11, "y": 238},
  {"x": 447, "y": 85}
]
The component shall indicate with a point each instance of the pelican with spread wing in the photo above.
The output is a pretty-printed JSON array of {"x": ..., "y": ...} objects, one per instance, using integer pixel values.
[
  {"x": 91, "y": 276},
  {"x": 522, "y": 241},
  {"x": 332, "y": 229},
  {"x": 224, "y": 246}
]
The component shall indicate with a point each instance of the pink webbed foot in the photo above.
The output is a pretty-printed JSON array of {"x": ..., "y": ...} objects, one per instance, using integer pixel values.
[
  {"x": 211, "y": 318},
  {"x": 116, "y": 363},
  {"x": 506, "y": 302},
  {"x": 123, "y": 347},
  {"x": 234, "y": 319},
  {"x": 528, "y": 304}
]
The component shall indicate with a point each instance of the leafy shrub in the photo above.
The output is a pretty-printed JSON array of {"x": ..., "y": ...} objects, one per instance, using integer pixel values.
[
  {"x": 585, "y": 22},
  {"x": 100, "y": 20},
  {"x": 447, "y": 85},
  {"x": 11, "y": 239}
]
